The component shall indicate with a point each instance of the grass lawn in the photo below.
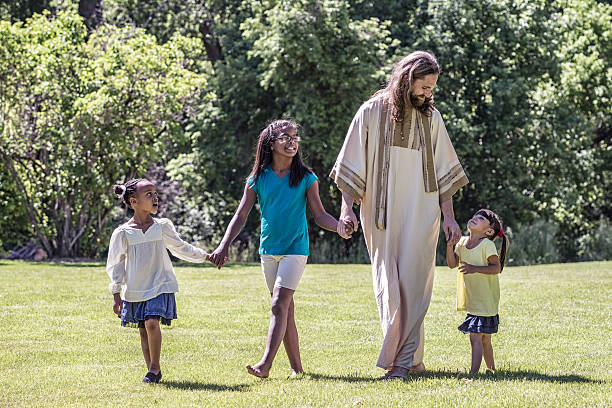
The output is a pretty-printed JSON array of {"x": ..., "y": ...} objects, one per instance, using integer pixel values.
[{"x": 61, "y": 345}]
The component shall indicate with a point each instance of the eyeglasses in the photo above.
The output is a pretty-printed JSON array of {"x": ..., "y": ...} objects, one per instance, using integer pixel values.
[{"x": 287, "y": 138}]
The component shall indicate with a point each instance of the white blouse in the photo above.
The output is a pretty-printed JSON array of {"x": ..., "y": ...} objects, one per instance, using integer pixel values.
[{"x": 138, "y": 263}]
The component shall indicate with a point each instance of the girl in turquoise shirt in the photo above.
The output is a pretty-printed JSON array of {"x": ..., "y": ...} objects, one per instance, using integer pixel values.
[{"x": 282, "y": 184}]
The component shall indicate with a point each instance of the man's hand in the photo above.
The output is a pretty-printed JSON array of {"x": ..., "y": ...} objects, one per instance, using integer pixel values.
[
  {"x": 117, "y": 304},
  {"x": 349, "y": 219},
  {"x": 345, "y": 229},
  {"x": 452, "y": 232}
]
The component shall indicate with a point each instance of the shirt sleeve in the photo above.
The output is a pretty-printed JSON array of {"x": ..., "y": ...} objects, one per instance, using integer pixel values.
[
  {"x": 311, "y": 179},
  {"x": 177, "y": 246},
  {"x": 115, "y": 263},
  {"x": 488, "y": 250},
  {"x": 253, "y": 185}
]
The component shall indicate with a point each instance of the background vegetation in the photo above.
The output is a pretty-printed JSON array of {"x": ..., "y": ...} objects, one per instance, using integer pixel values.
[{"x": 93, "y": 93}]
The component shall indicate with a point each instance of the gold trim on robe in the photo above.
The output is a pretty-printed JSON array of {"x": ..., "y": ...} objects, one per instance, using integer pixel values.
[{"x": 349, "y": 170}]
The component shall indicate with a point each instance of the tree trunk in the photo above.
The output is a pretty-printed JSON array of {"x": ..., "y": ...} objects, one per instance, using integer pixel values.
[
  {"x": 28, "y": 204},
  {"x": 211, "y": 43},
  {"x": 91, "y": 11}
]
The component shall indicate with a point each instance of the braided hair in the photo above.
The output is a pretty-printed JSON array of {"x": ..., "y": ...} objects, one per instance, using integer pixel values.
[{"x": 263, "y": 156}]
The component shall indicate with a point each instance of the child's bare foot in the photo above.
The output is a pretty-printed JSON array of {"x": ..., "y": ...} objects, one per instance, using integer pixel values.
[
  {"x": 258, "y": 371},
  {"x": 296, "y": 374}
]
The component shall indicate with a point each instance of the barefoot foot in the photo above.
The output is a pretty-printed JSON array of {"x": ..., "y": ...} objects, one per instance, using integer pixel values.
[
  {"x": 416, "y": 369},
  {"x": 296, "y": 374},
  {"x": 257, "y": 371}
]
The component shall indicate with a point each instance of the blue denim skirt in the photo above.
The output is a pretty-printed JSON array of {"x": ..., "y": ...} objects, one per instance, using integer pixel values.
[
  {"x": 480, "y": 324},
  {"x": 162, "y": 307}
]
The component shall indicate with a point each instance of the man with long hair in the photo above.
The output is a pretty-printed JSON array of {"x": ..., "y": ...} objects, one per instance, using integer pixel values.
[{"x": 399, "y": 164}]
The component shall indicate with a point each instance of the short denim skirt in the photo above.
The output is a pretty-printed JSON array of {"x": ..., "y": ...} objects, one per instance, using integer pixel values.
[
  {"x": 480, "y": 324},
  {"x": 162, "y": 307}
]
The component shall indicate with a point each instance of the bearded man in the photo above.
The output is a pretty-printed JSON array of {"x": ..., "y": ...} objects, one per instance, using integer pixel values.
[{"x": 399, "y": 164}]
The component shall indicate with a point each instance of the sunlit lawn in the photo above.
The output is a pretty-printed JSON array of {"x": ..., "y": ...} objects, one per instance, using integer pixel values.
[{"x": 60, "y": 344}]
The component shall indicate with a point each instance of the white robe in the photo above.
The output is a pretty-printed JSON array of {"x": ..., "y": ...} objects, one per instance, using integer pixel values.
[{"x": 400, "y": 190}]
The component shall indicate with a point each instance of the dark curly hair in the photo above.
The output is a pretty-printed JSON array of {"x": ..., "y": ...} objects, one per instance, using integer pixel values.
[{"x": 125, "y": 191}]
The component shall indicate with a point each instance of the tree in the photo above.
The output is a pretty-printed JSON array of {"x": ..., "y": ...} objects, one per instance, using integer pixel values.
[{"x": 79, "y": 114}]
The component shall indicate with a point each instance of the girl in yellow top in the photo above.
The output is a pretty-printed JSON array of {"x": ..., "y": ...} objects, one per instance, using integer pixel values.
[{"x": 479, "y": 266}]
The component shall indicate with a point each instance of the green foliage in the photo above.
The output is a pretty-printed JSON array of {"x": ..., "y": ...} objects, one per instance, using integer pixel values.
[
  {"x": 572, "y": 122},
  {"x": 524, "y": 92},
  {"x": 307, "y": 61},
  {"x": 79, "y": 113},
  {"x": 491, "y": 58}
]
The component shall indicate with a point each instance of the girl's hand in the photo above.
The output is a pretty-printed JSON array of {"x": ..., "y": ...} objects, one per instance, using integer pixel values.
[
  {"x": 345, "y": 229},
  {"x": 348, "y": 218},
  {"x": 117, "y": 304},
  {"x": 466, "y": 268},
  {"x": 219, "y": 256},
  {"x": 453, "y": 241}
]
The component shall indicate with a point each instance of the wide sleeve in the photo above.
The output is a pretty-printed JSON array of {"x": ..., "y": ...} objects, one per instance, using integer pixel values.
[
  {"x": 349, "y": 171},
  {"x": 115, "y": 263},
  {"x": 177, "y": 246},
  {"x": 449, "y": 172}
]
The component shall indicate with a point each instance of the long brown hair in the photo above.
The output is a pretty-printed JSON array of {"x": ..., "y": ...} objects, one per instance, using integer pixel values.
[
  {"x": 416, "y": 65},
  {"x": 263, "y": 156},
  {"x": 498, "y": 232}
]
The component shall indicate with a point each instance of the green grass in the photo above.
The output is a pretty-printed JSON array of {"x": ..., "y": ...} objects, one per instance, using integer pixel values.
[{"x": 61, "y": 345}]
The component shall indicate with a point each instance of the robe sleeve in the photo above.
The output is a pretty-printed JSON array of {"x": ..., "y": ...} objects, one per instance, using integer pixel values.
[
  {"x": 115, "y": 263},
  {"x": 177, "y": 246},
  {"x": 449, "y": 172},
  {"x": 349, "y": 171}
]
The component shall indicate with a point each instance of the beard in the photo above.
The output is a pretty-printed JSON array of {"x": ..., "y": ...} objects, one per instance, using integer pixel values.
[{"x": 416, "y": 102}]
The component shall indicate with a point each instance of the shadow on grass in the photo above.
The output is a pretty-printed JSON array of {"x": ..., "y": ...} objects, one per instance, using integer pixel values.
[
  {"x": 54, "y": 262},
  {"x": 206, "y": 265},
  {"x": 498, "y": 376},
  {"x": 193, "y": 385}
]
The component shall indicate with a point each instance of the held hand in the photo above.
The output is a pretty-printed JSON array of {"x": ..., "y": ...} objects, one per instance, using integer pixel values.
[
  {"x": 218, "y": 257},
  {"x": 348, "y": 216},
  {"x": 452, "y": 232},
  {"x": 466, "y": 268},
  {"x": 345, "y": 229},
  {"x": 117, "y": 304}
]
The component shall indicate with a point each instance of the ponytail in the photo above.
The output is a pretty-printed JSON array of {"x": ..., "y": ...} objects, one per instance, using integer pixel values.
[{"x": 504, "y": 249}]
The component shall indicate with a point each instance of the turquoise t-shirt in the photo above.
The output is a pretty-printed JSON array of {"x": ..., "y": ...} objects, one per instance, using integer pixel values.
[{"x": 283, "y": 213}]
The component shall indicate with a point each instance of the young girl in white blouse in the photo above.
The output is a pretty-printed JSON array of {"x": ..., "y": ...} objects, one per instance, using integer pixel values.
[{"x": 142, "y": 278}]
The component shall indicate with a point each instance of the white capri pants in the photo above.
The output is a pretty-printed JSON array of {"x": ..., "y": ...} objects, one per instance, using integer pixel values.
[{"x": 283, "y": 271}]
